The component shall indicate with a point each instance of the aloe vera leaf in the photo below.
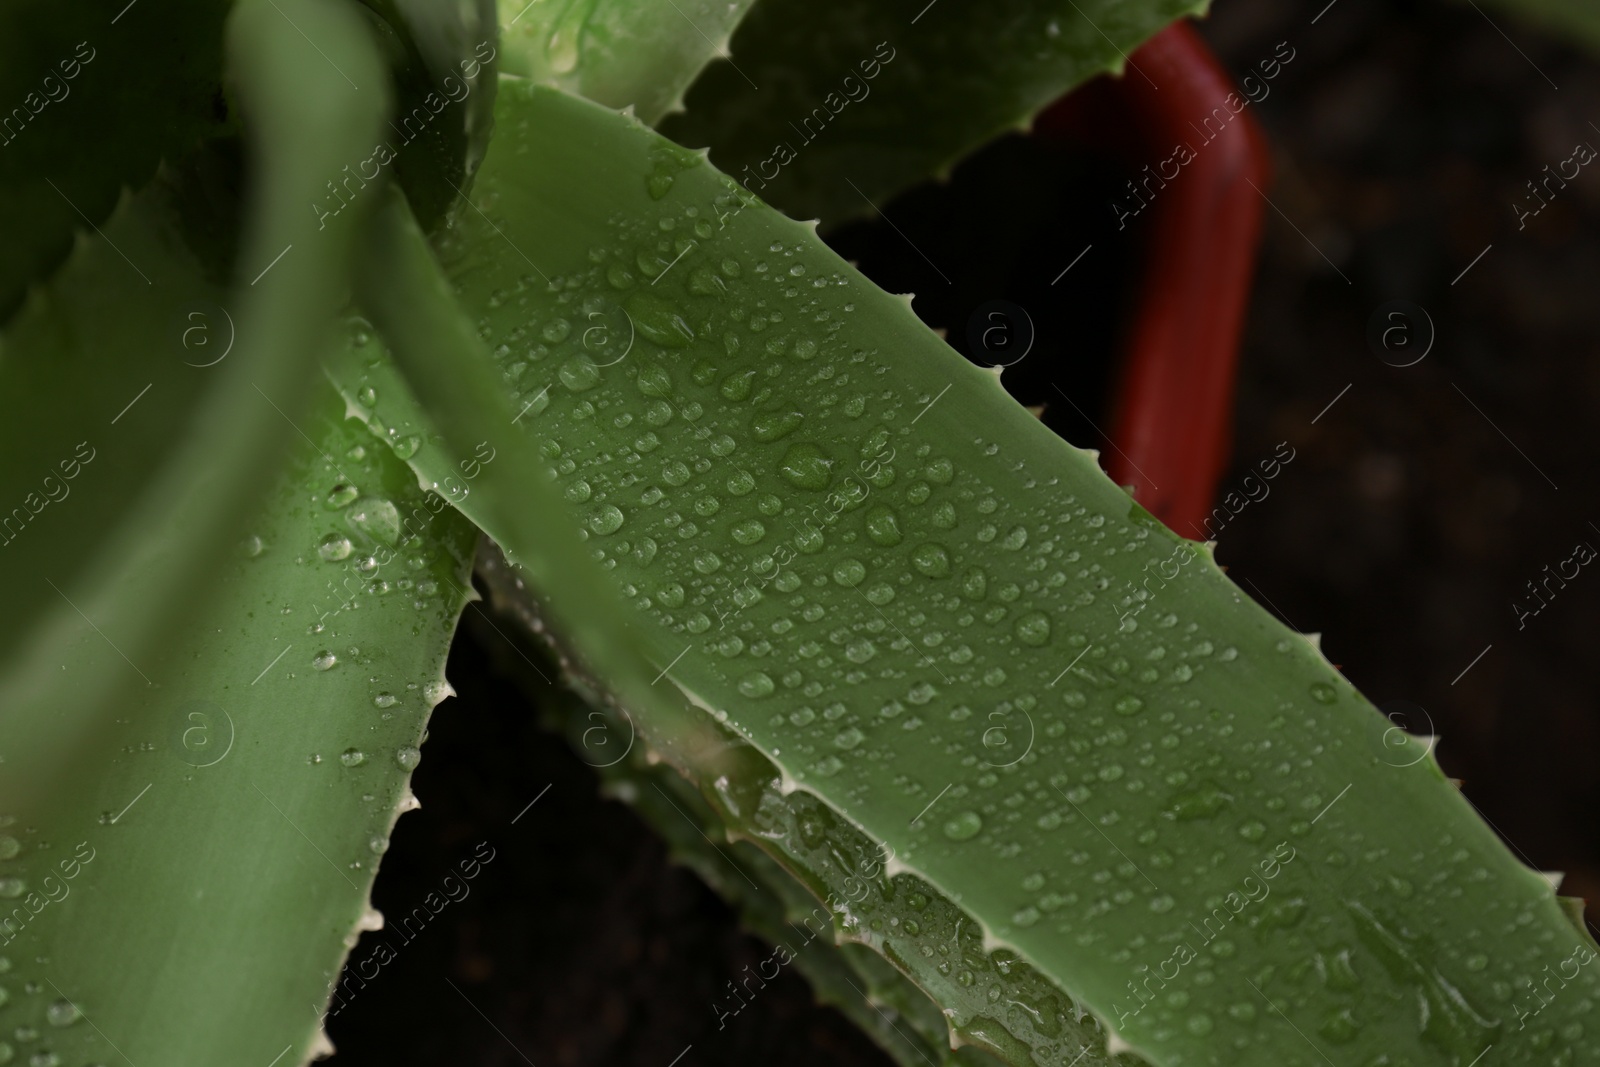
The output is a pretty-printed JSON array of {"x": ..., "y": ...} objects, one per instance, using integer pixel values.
[
  {"x": 774, "y": 907},
  {"x": 120, "y": 564},
  {"x": 934, "y": 945},
  {"x": 400, "y": 284},
  {"x": 444, "y": 60},
  {"x": 228, "y": 830},
  {"x": 981, "y": 572},
  {"x": 642, "y": 53},
  {"x": 93, "y": 96},
  {"x": 859, "y": 101}
]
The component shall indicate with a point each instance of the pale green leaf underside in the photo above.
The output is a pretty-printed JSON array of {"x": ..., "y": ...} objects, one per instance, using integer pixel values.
[
  {"x": 643, "y": 53},
  {"x": 989, "y": 576},
  {"x": 233, "y": 841},
  {"x": 176, "y": 473},
  {"x": 853, "y": 102}
]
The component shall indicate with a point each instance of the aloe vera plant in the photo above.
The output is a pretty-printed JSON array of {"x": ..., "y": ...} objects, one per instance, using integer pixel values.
[{"x": 1007, "y": 768}]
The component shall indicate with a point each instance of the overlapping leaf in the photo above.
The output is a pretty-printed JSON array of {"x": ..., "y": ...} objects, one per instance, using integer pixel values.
[
  {"x": 621, "y": 53},
  {"x": 834, "y": 107},
  {"x": 176, "y": 478},
  {"x": 92, "y": 96},
  {"x": 936, "y": 625},
  {"x": 232, "y": 813}
]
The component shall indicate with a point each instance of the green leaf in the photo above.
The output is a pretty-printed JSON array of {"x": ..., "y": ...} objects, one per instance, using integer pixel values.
[
  {"x": 401, "y": 286},
  {"x": 853, "y": 552},
  {"x": 642, "y": 53},
  {"x": 92, "y": 97},
  {"x": 857, "y": 102},
  {"x": 228, "y": 825},
  {"x": 444, "y": 61},
  {"x": 120, "y": 563}
]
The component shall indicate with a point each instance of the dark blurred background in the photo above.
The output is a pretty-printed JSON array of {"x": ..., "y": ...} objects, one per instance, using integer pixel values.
[{"x": 1416, "y": 510}]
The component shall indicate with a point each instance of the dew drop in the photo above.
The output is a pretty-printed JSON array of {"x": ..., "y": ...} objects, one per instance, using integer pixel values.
[
  {"x": 659, "y": 321},
  {"x": 324, "y": 660},
  {"x": 341, "y": 495},
  {"x": 772, "y": 425},
  {"x": 407, "y": 757},
  {"x": 756, "y": 684},
  {"x": 606, "y": 519},
  {"x": 62, "y": 1013},
  {"x": 335, "y": 547},
  {"x": 860, "y": 650},
  {"x": 805, "y": 466},
  {"x": 850, "y": 573},
  {"x": 932, "y": 560},
  {"x": 675, "y": 472},
  {"x": 964, "y": 826},
  {"x": 579, "y": 374},
  {"x": 1033, "y": 628},
  {"x": 352, "y": 757},
  {"x": 385, "y": 700},
  {"x": 883, "y": 526},
  {"x": 748, "y": 532},
  {"x": 379, "y": 519}
]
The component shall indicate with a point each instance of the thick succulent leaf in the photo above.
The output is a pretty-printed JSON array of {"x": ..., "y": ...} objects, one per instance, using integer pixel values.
[
  {"x": 94, "y": 96},
  {"x": 772, "y": 903},
  {"x": 234, "y": 814},
  {"x": 178, "y": 472},
  {"x": 942, "y": 631},
  {"x": 642, "y": 53},
  {"x": 789, "y": 847},
  {"x": 400, "y": 285},
  {"x": 859, "y": 101},
  {"x": 444, "y": 60}
]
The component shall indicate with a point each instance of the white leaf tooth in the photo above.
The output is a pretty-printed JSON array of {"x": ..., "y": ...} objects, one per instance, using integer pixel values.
[
  {"x": 1115, "y": 1045},
  {"x": 321, "y": 1046}
]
